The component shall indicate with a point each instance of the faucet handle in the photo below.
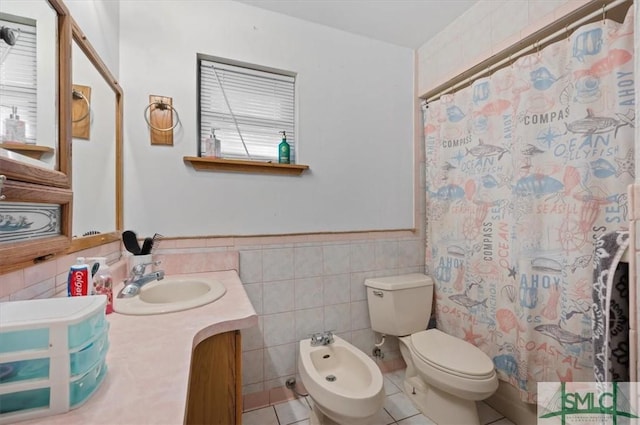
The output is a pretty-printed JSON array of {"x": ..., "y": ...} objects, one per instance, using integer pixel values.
[
  {"x": 316, "y": 338},
  {"x": 329, "y": 336},
  {"x": 322, "y": 338},
  {"x": 140, "y": 268}
]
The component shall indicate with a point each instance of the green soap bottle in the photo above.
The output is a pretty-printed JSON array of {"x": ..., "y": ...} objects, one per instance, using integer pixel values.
[{"x": 283, "y": 150}]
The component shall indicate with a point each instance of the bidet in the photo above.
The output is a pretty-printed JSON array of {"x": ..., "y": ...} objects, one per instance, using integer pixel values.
[{"x": 345, "y": 385}]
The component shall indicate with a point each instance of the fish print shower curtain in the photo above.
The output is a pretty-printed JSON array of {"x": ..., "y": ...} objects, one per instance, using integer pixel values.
[{"x": 524, "y": 169}]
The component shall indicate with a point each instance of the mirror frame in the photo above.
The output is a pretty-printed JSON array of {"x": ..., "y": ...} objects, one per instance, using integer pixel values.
[
  {"x": 95, "y": 240},
  {"x": 30, "y": 183},
  {"x": 59, "y": 177}
]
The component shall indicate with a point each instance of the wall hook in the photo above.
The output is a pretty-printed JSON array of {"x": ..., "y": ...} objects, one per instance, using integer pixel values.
[
  {"x": 162, "y": 106},
  {"x": 161, "y": 119},
  {"x": 77, "y": 95},
  {"x": 81, "y": 111}
]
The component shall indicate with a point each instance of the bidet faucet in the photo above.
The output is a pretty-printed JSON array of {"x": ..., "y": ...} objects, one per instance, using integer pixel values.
[
  {"x": 322, "y": 338},
  {"x": 137, "y": 279}
]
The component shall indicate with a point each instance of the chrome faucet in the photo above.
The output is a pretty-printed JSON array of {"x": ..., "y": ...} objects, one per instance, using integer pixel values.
[
  {"x": 321, "y": 338},
  {"x": 137, "y": 279}
]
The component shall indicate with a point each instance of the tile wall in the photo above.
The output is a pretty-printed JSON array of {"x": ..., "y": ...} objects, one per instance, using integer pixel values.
[
  {"x": 487, "y": 28},
  {"x": 49, "y": 278},
  {"x": 634, "y": 272},
  {"x": 297, "y": 284},
  {"x": 298, "y": 288}
]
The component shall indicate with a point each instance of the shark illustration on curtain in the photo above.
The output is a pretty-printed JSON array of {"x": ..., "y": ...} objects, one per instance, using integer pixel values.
[{"x": 524, "y": 169}]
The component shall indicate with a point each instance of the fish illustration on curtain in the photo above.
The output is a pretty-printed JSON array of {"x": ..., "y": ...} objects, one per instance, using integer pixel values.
[{"x": 524, "y": 170}]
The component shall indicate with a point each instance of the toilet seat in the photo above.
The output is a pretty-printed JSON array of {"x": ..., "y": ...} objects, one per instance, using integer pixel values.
[{"x": 451, "y": 355}]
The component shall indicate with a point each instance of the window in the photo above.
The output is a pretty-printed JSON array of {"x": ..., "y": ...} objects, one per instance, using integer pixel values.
[
  {"x": 18, "y": 77},
  {"x": 248, "y": 106}
]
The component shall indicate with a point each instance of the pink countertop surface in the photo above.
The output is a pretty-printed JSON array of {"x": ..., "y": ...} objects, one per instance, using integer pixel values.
[{"x": 149, "y": 359}]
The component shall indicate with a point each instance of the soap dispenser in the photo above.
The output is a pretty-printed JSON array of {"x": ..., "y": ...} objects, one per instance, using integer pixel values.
[
  {"x": 212, "y": 145},
  {"x": 283, "y": 149},
  {"x": 14, "y": 128},
  {"x": 103, "y": 282}
]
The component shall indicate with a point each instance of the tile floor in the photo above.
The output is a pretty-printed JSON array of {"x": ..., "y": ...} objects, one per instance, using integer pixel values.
[{"x": 398, "y": 409}]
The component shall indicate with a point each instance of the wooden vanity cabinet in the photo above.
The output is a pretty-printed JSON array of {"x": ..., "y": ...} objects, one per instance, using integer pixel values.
[{"x": 214, "y": 395}]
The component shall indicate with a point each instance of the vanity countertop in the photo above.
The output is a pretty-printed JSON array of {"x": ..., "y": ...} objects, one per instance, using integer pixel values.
[{"x": 149, "y": 359}]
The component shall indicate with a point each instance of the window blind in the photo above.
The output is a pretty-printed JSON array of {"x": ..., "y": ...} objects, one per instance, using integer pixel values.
[
  {"x": 246, "y": 104},
  {"x": 18, "y": 78}
]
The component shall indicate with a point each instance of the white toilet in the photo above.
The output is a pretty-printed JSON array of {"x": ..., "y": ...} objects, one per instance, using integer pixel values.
[
  {"x": 445, "y": 375},
  {"x": 345, "y": 385}
]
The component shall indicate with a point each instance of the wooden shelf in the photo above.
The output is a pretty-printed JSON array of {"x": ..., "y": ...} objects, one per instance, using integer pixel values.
[
  {"x": 242, "y": 166},
  {"x": 32, "y": 151}
]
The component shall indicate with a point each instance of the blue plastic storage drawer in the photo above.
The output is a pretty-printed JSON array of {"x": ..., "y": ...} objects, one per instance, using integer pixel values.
[
  {"x": 52, "y": 355},
  {"x": 26, "y": 339},
  {"x": 81, "y": 361},
  {"x": 85, "y": 330},
  {"x": 82, "y": 388},
  {"x": 25, "y": 400},
  {"x": 23, "y": 370}
]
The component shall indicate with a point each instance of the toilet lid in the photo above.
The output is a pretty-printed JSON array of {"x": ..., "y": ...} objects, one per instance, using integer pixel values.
[{"x": 451, "y": 354}]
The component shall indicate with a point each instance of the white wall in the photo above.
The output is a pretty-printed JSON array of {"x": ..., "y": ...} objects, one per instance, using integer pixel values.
[
  {"x": 93, "y": 173},
  {"x": 93, "y": 160},
  {"x": 100, "y": 22},
  {"x": 355, "y": 124}
]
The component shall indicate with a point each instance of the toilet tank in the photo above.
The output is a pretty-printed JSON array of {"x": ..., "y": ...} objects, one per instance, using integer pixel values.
[{"x": 399, "y": 305}]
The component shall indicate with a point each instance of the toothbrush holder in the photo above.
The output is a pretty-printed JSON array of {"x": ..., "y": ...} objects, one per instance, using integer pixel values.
[{"x": 134, "y": 260}]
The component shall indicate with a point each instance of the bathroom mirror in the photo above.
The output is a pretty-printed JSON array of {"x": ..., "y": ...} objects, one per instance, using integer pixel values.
[
  {"x": 28, "y": 181},
  {"x": 97, "y": 154},
  {"x": 29, "y": 65}
]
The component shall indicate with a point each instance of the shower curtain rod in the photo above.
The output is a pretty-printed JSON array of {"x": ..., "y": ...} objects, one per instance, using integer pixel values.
[{"x": 511, "y": 53}]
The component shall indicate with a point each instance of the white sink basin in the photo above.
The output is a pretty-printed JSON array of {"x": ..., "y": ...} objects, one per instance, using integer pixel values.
[{"x": 171, "y": 294}]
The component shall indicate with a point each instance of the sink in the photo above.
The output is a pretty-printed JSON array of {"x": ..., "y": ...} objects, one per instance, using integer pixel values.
[{"x": 171, "y": 294}]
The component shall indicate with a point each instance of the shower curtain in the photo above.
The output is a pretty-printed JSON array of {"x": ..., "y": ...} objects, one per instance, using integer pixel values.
[{"x": 524, "y": 170}]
